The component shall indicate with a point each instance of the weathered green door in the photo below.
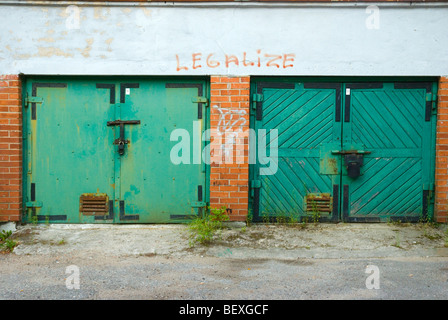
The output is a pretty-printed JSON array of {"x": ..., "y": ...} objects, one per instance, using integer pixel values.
[
  {"x": 99, "y": 150},
  {"x": 346, "y": 151},
  {"x": 392, "y": 124},
  {"x": 304, "y": 119}
]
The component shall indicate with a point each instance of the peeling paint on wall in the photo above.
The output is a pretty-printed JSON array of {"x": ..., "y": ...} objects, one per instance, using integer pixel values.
[
  {"x": 86, "y": 51},
  {"x": 154, "y": 40},
  {"x": 101, "y": 13},
  {"x": 52, "y": 51}
]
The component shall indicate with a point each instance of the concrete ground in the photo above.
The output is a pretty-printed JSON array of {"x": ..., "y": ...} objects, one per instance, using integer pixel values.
[{"x": 267, "y": 262}]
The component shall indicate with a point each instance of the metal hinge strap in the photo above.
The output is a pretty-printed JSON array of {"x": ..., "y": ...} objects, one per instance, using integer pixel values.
[
  {"x": 198, "y": 204},
  {"x": 200, "y": 100},
  {"x": 254, "y": 184},
  {"x": 256, "y": 97},
  {"x": 29, "y": 100},
  {"x": 33, "y": 204},
  {"x": 431, "y": 96}
]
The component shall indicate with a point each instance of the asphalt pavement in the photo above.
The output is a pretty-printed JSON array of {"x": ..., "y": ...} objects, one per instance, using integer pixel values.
[{"x": 243, "y": 263}]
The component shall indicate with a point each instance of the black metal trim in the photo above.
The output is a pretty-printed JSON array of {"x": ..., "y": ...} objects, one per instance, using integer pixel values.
[
  {"x": 124, "y": 216},
  {"x": 123, "y": 87},
  {"x": 425, "y": 204},
  {"x": 335, "y": 212},
  {"x": 365, "y": 85},
  {"x": 199, "y": 193},
  {"x": 111, "y": 87},
  {"x": 183, "y": 217},
  {"x": 306, "y": 219},
  {"x": 33, "y": 111},
  {"x": 345, "y": 201},
  {"x": 368, "y": 85},
  {"x": 347, "y": 108},
  {"x": 269, "y": 85},
  {"x": 418, "y": 85},
  {"x": 111, "y": 212},
  {"x": 413, "y": 85},
  {"x": 34, "y": 87},
  {"x": 329, "y": 85},
  {"x": 405, "y": 219},
  {"x": 363, "y": 219},
  {"x": 51, "y": 218},
  {"x": 33, "y": 192},
  {"x": 378, "y": 219},
  {"x": 256, "y": 203},
  {"x": 199, "y": 86},
  {"x": 33, "y": 198}
]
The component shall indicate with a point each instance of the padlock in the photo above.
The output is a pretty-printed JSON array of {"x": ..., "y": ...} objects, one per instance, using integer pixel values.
[{"x": 353, "y": 163}]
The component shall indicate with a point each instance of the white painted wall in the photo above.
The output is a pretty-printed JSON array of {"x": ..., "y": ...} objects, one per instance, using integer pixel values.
[{"x": 151, "y": 39}]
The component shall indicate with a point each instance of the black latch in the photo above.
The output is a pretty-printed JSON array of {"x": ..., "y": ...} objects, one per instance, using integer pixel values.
[
  {"x": 121, "y": 142},
  {"x": 353, "y": 163}
]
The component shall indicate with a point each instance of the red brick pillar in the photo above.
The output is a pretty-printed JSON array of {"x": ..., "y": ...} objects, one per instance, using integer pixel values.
[
  {"x": 441, "y": 190},
  {"x": 10, "y": 148},
  {"x": 229, "y": 126}
]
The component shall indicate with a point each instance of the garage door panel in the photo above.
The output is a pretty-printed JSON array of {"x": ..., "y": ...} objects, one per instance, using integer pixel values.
[
  {"x": 391, "y": 185},
  {"x": 75, "y": 172},
  {"x": 67, "y": 149},
  {"x": 389, "y": 124},
  {"x": 284, "y": 193},
  {"x": 304, "y": 119},
  {"x": 383, "y": 128}
]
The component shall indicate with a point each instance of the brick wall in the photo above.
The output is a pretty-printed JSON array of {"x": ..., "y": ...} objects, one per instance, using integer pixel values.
[
  {"x": 229, "y": 125},
  {"x": 229, "y": 169},
  {"x": 10, "y": 148},
  {"x": 441, "y": 179}
]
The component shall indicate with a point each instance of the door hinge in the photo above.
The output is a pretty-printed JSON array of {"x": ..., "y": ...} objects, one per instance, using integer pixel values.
[
  {"x": 29, "y": 100},
  {"x": 33, "y": 204},
  {"x": 429, "y": 187},
  {"x": 431, "y": 96},
  {"x": 198, "y": 204},
  {"x": 203, "y": 100},
  {"x": 430, "y": 106},
  {"x": 257, "y": 97},
  {"x": 254, "y": 184}
]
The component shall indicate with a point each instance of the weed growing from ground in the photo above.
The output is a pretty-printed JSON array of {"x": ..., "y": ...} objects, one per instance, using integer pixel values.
[
  {"x": 6, "y": 244},
  {"x": 203, "y": 229}
]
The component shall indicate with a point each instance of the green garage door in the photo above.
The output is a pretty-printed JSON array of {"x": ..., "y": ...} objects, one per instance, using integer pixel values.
[
  {"x": 99, "y": 150},
  {"x": 351, "y": 151}
]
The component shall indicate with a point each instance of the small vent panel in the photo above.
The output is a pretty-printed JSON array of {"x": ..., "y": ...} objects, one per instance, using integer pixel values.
[
  {"x": 318, "y": 202},
  {"x": 94, "y": 204}
]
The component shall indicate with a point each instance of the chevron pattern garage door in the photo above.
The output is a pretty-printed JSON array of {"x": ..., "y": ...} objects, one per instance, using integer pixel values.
[
  {"x": 305, "y": 120},
  {"x": 389, "y": 121},
  {"x": 389, "y": 124}
]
